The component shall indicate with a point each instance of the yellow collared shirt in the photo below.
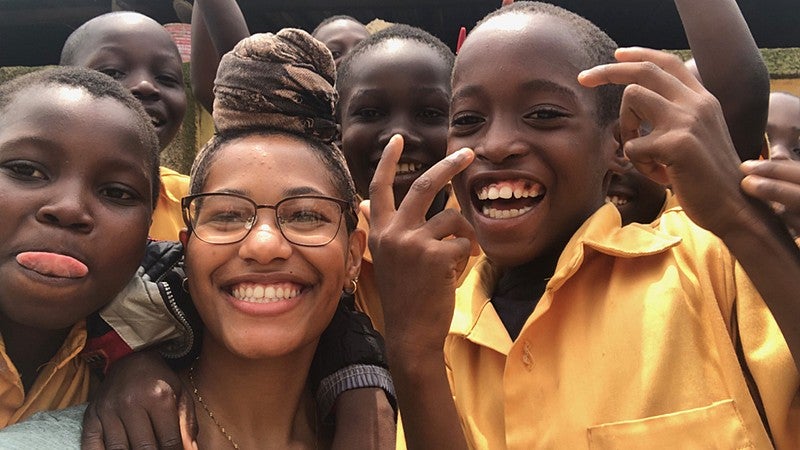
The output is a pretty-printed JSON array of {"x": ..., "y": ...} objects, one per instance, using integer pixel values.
[
  {"x": 631, "y": 346},
  {"x": 62, "y": 382},
  {"x": 167, "y": 218}
]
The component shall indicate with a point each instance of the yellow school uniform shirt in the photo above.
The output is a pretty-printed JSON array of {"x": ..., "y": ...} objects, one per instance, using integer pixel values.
[
  {"x": 631, "y": 346},
  {"x": 62, "y": 382},
  {"x": 167, "y": 218}
]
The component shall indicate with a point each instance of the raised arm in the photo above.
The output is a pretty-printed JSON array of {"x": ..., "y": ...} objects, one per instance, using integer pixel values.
[
  {"x": 217, "y": 26},
  {"x": 426, "y": 286},
  {"x": 731, "y": 68},
  {"x": 689, "y": 149}
]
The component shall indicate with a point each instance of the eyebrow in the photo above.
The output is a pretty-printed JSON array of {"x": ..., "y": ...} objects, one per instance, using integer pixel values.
[
  {"x": 535, "y": 85},
  {"x": 419, "y": 90},
  {"x": 291, "y": 192}
]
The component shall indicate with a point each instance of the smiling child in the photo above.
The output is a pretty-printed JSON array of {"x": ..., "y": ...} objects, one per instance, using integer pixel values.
[
  {"x": 573, "y": 331},
  {"x": 139, "y": 53}
]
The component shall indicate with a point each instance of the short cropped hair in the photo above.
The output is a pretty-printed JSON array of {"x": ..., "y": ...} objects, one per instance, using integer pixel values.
[
  {"x": 401, "y": 32},
  {"x": 98, "y": 85},
  {"x": 598, "y": 48},
  {"x": 77, "y": 39}
]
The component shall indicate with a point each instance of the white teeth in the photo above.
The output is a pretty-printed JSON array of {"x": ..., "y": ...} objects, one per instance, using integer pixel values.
[
  {"x": 495, "y": 213},
  {"x": 617, "y": 200},
  {"x": 257, "y": 293},
  {"x": 403, "y": 168},
  {"x": 507, "y": 190}
]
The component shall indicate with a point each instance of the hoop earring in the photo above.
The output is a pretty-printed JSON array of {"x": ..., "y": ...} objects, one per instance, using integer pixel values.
[
  {"x": 184, "y": 286},
  {"x": 353, "y": 287}
]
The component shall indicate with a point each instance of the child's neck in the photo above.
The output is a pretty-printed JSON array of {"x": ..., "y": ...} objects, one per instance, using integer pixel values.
[
  {"x": 260, "y": 404},
  {"x": 29, "y": 348}
]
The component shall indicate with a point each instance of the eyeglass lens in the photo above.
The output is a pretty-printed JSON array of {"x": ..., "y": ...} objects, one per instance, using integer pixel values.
[{"x": 228, "y": 218}]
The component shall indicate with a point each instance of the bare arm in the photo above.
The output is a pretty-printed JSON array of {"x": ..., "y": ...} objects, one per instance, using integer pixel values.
[
  {"x": 217, "y": 26},
  {"x": 731, "y": 67}
]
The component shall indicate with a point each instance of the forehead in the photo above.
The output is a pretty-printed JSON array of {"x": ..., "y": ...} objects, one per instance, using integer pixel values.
[
  {"x": 396, "y": 59},
  {"x": 61, "y": 104},
  {"x": 339, "y": 29},
  {"x": 70, "y": 119},
  {"x": 531, "y": 40},
  {"x": 521, "y": 50},
  {"x": 784, "y": 109},
  {"x": 271, "y": 165},
  {"x": 127, "y": 35}
]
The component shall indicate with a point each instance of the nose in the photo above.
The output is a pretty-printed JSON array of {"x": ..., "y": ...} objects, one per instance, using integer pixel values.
[
  {"x": 68, "y": 208},
  {"x": 143, "y": 86},
  {"x": 265, "y": 242},
  {"x": 403, "y": 125},
  {"x": 501, "y": 142}
]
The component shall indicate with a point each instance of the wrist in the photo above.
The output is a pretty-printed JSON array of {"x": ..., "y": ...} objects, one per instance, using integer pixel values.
[{"x": 355, "y": 376}]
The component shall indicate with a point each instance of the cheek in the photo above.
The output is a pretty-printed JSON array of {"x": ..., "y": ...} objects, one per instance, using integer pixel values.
[{"x": 176, "y": 102}]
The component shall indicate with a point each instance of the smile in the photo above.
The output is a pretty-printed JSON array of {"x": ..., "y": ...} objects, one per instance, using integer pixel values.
[
  {"x": 405, "y": 168},
  {"x": 508, "y": 199},
  {"x": 265, "y": 293}
]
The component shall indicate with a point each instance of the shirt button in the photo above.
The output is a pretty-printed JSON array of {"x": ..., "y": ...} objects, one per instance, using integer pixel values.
[{"x": 527, "y": 356}]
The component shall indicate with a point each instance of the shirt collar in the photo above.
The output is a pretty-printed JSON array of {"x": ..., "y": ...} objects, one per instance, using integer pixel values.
[{"x": 476, "y": 319}]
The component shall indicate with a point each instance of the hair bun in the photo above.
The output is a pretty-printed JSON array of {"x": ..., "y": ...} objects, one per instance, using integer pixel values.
[{"x": 280, "y": 81}]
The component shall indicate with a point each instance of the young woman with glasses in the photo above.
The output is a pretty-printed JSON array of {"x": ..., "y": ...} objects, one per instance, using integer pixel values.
[{"x": 271, "y": 243}]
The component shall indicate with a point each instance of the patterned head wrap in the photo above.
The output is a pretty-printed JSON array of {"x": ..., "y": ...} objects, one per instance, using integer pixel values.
[{"x": 281, "y": 81}]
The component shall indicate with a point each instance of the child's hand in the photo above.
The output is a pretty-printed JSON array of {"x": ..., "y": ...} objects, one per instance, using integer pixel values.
[
  {"x": 417, "y": 262},
  {"x": 138, "y": 406},
  {"x": 689, "y": 147},
  {"x": 778, "y": 184}
]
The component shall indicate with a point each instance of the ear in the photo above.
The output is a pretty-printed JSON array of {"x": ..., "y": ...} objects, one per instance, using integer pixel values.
[
  {"x": 355, "y": 252},
  {"x": 183, "y": 236}
]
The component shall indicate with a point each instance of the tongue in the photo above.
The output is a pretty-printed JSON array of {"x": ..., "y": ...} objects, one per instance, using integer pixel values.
[{"x": 53, "y": 264}]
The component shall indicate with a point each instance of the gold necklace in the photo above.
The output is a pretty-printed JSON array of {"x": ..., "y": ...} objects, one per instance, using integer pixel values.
[
  {"x": 210, "y": 414},
  {"x": 227, "y": 435}
]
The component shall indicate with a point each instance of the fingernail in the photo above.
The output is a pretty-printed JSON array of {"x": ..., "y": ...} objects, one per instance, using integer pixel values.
[
  {"x": 750, "y": 164},
  {"x": 461, "y": 153}
]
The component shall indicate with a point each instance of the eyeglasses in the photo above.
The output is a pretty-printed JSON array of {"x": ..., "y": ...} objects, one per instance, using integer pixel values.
[{"x": 225, "y": 218}]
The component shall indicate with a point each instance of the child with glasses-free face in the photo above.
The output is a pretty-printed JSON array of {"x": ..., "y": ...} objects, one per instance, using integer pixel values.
[
  {"x": 395, "y": 83},
  {"x": 139, "y": 53},
  {"x": 526, "y": 120},
  {"x": 266, "y": 264},
  {"x": 340, "y": 34},
  {"x": 76, "y": 185}
]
